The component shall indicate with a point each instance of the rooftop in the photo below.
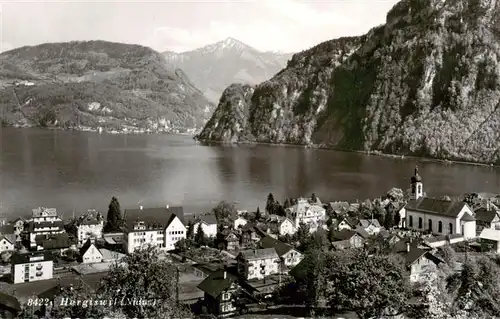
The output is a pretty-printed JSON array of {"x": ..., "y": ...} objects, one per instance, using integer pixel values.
[
  {"x": 158, "y": 217},
  {"x": 44, "y": 212},
  {"x": 19, "y": 258},
  {"x": 280, "y": 247},
  {"x": 217, "y": 282},
  {"x": 257, "y": 254},
  {"x": 436, "y": 206}
]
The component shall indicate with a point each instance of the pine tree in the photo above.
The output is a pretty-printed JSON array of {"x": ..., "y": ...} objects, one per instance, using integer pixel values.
[
  {"x": 114, "y": 218},
  {"x": 199, "y": 238},
  {"x": 258, "y": 215},
  {"x": 270, "y": 204},
  {"x": 190, "y": 230}
]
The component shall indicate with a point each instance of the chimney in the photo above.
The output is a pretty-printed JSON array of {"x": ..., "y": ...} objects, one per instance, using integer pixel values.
[
  {"x": 408, "y": 247},
  {"x": 225, "y": 274},
  {"x": 140, "y": 207}
]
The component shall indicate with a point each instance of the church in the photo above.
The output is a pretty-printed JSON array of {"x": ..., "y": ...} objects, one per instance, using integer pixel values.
[{"x": 437, "y": 216}]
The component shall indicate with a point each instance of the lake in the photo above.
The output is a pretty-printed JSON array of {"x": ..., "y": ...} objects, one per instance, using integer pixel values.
[{"x": 76, "y": 171}]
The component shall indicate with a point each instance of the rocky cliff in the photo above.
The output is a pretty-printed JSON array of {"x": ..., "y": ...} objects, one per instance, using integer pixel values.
[
  {"x": 95, "y": 84},
  {"x": 425, "y": 83}
]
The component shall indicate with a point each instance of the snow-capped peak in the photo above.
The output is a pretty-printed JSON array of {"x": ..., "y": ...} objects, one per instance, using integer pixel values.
[{"x": 226, "y": 44}]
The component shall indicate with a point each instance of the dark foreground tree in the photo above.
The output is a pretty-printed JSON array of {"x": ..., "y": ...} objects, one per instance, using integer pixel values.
[
  {"x": 199, "y": 237},
  {"x": 114, "y": 218}
]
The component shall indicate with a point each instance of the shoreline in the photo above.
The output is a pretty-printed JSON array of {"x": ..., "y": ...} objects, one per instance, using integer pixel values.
[{"x": 369, "y": 153}]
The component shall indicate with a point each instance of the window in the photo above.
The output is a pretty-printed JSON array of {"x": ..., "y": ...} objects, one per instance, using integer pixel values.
[
  {"x": 419, "y": 188},
  {"x": 411, "y": 221},
  {"x": 430, "y": 225},
  {"x": 440, "y": 227},
  {"x": 451, "y": 228},
  {"x": 420, "y": 222},
  {"x": 226, "y": 296}
]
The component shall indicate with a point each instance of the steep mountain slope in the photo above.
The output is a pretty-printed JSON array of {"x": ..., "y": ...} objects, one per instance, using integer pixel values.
[
  {"x": 214, "y": 67},
  {"x": 425, "y": 83},
  {"x": 97, "y": 84}
]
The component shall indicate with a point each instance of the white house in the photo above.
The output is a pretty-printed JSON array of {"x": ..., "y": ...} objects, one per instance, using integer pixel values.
[
  {"x": 7, "y": 242},
  {"x": 89, "y": 225},
  {"x": 31, "y": 267},
  {"x": 438, "y": 216},
  {"x": 281, "y": 225},
  {"x": 303, "y": 211},
  {"x": 418, "y": 261},
  {"x": 45, "y": 221},
  {"x": 161, "y": 227},
  {"x": 208, "y": 223},
  {"x": 258, "y": 263},
  {"x": 289, "y": 256},
  {"x": 89, "y": 252},
  {"x": 371, "y": 226}
]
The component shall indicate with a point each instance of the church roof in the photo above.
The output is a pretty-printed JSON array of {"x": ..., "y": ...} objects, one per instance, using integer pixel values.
[{"x": 436, "y": 206}]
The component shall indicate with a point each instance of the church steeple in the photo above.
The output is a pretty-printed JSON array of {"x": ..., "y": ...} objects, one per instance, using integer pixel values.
[{"x": 417, "y": 186}]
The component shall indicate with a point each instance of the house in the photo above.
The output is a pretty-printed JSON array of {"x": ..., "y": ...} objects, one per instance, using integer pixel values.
[
  {"x": 437, "y": 216},
  {"x": 88, "y": 225},
  {"x": 51, "y": 242},
  {"x": 347, "y": 223},
  {"x": 206, "y": 269},
  {"x": 289, "y": 256},
  {"x": 9, "y": 306},
  {"x": 338, "y": 208},
  {"x": 487, "y": 217},
  {"x": 231, "y": 239},
  {"x": 161, "y": 227},
  {"x": 257, "y": 263},
  {"x": 89, "y": 252},
  {"x": 18, "y": 225},
  {"x": 281, "y": 225},
  {"x": 491, "y": 237},
  {"x": 304, "y": 211},
  {"x": 45, "y": 221},
  {"x": 110, "y": 255},
  {"x": 371, "y": 226},
  {"x": 208, "y": 223},
  {"x": 440, "y": 241},
  {"x": 346, "y": 239},
  {"x": 113, "y": 241},
  {"x": 417, "y": 261},
  {"x": 7, "y": 242},
  {"x": 250, "y": 234},
  {"x": 240, "y": 222},
  {"x": 30, "y": 267}
]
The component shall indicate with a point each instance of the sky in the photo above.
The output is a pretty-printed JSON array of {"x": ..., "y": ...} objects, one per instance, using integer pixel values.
[{"x": 267, "y": 25}]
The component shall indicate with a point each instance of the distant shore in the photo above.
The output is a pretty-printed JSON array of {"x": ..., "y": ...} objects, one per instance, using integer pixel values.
[{"x": 374, "y": 153}]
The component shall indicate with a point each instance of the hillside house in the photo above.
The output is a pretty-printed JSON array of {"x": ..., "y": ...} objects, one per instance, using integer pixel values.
[
  {"x": 257, "y": 263},
  {"x": 7, "y": 242},
  {"x": 31, "y": 267},
  {"x": 89, "y": 252},
  {"x": 417, "y": 261},
  {"x": 304, "y": 211},
  {"x": 280, "y": 225},
  {"x": 371, "y": 226},
  {"x": 346, "y": 239},
  {"x": 487, "y": 217},
  {"x": 161, "y": 227},
  {"x": 44, "y": 221},
  {"x": 208, "y": 223},
  {"x": 289, "y": 256},
  {"x": 491, "y": 237},
  {"x": 89, "y": 225},
  {"x": 347, "y": 223},
  {"x": 338, "y": 209}
]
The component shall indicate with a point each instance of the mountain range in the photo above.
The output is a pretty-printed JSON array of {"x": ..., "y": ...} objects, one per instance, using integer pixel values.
[
  {"x": 425, "y": 83},
  {"x": 214, "y": 67},
  {"x": 92, "y": 84}
]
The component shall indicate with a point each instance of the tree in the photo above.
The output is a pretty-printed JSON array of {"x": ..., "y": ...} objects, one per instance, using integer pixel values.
[
  {"x": 396, "y": 194},
  {"x": 270, "y": 204},
  {"x": 183, "y": 245},
  {"x": 316, "y": 241},
  {"x": 371, "y": 286},
  {"x": 114, "y": 218},
  {"x": 225, "y": 213},
  {"x": 314, "y": 199},
  {"x": 389, "y": 219},
  {"x": 287, "y": 204},
  {"x": 397, "y": 218},
  {"x": 303, "y": 234},
  {"x": 199, "y": 237},
  {"x": 5, "y": 256},
  {"x": 143, "y": 276},
  {"x": 190, "y": 230},
  {"x": 258, "y": 215}
]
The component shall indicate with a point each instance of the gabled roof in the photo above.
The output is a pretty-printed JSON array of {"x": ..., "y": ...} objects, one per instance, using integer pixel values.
[
  {"x": 441, "y": 207},
  {"x": 9, "y": 301},
  {"x": 215, "y": 283},
  {"x": 485, "y": 216},
  {"x": 365, "y": 223},
  {"x": 91, "y": 217},
  {"x": 362, "y": 232},
  {"x": 87, "y": 246},
  {"x": 341, "y": 244},
  {"x": 208, "y": 219},
  {"x": 280, "y": 247},
  {"x": 349, "y": 221},
  {"x": 490, "y": 234},
  {"x": 11, "y": 238},
  {"x": 6, "y": 229},
  {"x": 343, "y": 234},
  {"x": 159, "y": 217},
  {"x": 257, "y": 254}
]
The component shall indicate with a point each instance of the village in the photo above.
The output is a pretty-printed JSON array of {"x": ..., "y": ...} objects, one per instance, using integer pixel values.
[{"x": 226, "y": 252}]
